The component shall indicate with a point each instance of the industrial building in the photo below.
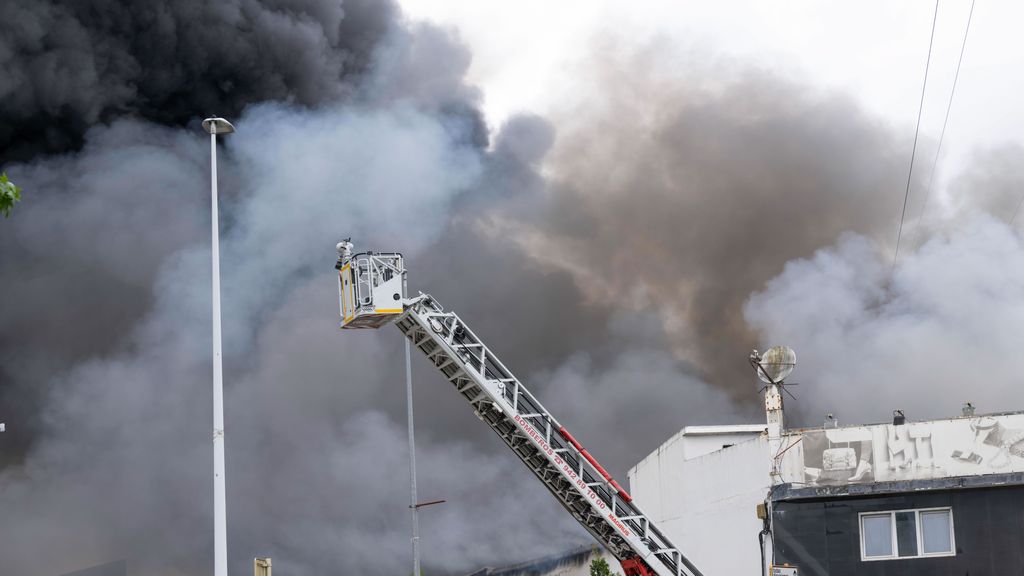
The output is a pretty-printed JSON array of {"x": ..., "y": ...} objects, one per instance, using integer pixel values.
[
  {"x": 932, "y": 497},
  {"x": 119, "y": 568},
  {"x": 574, "y": 562},
  {"x": 911, "y": 498}
]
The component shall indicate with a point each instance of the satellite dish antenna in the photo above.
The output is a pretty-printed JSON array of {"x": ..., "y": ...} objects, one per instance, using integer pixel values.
[{"x": 775, "y": 364}]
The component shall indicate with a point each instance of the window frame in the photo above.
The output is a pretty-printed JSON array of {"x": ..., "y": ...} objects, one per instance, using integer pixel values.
[{"x": 919, "y": 530}]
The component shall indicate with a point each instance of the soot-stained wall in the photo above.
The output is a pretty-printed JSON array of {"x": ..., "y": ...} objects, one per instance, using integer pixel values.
[{"x": 822, "y": 536}]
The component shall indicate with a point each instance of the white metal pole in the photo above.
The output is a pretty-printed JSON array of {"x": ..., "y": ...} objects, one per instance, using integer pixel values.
[
  {"x": 412, "y": 452},
  {"x": 773, "y": 404},
  {"x": 220, "y": 530},
  {"x": 412, "y": 464}
]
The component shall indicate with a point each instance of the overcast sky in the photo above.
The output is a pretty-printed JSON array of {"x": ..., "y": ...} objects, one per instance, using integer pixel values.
[{"x": 873, "y": 51}]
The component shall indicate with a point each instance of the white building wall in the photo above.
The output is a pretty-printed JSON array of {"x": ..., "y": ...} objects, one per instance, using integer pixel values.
[
  {"x": 972, "y": 445},
  {"x": 704, "y": 496},
  {"x": 707, "y": 505}
]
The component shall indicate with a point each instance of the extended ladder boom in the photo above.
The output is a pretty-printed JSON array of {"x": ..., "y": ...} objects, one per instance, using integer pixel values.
[{"x": 501, "y": 401}]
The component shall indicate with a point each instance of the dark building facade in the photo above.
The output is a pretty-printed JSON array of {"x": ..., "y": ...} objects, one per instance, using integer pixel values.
[{"x": 963, "y": 526}]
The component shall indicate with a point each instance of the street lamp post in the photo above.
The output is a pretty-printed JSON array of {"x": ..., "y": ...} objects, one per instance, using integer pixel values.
[
  {"x": 413, "y": 504},
  {"x": 215, "y": 126}
]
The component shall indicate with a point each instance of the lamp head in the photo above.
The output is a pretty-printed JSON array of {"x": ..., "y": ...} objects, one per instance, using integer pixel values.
[{"x": 217, "y": 125}]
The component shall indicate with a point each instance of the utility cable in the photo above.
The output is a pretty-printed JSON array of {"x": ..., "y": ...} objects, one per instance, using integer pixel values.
[
  {"x": 1017, "y": 211},
  {"x": 917, "y": 131},
  {"x": 949, "y": 106}
]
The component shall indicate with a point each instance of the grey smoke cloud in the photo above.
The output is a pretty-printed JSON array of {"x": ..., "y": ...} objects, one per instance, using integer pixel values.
[
  {"x": 127, "y": 424},
  {"x": 991, "y": 183},
  {"x": 940, "y": 331},
  {"x": 631, "y": 405},
  {"x": 105, "y": 345},
  {"x": 612, "y": 287},
  {"x": 80, "y": 263},
  {"x": 680, "y": 191}
]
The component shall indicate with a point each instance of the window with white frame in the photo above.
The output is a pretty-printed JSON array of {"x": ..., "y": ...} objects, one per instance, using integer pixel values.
[{"x": 901, "y": 534}]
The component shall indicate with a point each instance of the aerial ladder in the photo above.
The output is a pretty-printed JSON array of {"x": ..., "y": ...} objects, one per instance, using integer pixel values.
[{"x": 372, "y": 293}]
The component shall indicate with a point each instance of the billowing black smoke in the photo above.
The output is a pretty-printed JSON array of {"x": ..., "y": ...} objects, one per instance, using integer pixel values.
[{"x": 70, "y": 65}]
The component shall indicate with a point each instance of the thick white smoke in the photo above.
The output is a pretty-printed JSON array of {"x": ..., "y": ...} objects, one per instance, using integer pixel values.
[{"x": 943, "y": 329}]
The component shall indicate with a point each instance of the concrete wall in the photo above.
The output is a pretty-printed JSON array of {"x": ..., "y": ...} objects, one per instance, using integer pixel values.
[{"x": 707, "y": 505}]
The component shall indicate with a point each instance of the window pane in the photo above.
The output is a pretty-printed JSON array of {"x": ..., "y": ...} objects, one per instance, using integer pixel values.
[
  {"x": 906, "y": 533},
  {"x": 877, "y": 535},
  {"x": 935, "y": 531}
]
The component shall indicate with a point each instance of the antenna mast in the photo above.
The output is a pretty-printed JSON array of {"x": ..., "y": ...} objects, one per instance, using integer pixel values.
[{"x": 772, "y": 368}]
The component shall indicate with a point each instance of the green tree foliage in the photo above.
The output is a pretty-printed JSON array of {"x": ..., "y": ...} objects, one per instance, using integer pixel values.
[
  {"x": 599, "y": 567},
  {"x": 9, "y": 194}
]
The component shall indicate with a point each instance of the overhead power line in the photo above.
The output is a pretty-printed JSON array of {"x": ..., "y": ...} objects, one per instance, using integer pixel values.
[
  {"x": 949, "y": 106},
  {"x": 1015, "y": 212},
  {"x": 917, "y": 131}
]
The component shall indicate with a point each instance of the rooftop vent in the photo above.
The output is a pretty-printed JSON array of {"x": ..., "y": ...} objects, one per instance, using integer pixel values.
[{"x": 898, "y": 419}]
